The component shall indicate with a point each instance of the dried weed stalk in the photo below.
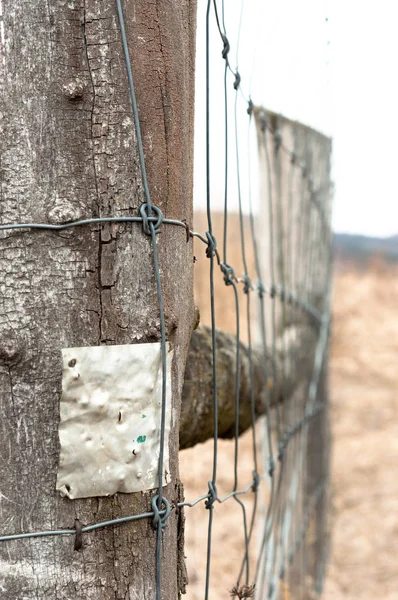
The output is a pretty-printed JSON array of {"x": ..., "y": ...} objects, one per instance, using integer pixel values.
[{"x": 242, "y": 592}]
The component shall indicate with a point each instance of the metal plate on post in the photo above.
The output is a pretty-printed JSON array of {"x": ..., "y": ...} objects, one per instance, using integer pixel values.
[{"x": 110, "y": 412}]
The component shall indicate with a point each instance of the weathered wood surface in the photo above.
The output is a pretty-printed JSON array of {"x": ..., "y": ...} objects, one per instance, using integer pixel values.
[
  {"x": 296, "y": 192},
  {"x": 296, "y": 197},
  {"x": 68, "y": 150}
]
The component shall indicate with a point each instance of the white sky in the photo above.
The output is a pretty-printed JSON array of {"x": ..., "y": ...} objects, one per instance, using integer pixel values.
[{"x": 347, "y": 88}]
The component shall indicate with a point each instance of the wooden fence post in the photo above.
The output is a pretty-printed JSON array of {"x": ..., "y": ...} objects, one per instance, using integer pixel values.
[{"x": 69, "y": 150}]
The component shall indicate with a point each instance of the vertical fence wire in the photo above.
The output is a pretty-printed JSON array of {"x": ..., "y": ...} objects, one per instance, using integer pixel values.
[{"x": 211, "y": 256}]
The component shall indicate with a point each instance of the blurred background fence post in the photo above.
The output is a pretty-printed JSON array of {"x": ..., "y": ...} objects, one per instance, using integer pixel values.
[{"x": 296, "y": 254}]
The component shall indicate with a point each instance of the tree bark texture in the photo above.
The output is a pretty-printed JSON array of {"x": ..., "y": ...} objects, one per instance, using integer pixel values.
[
  {"x": 291, "y": 364},
  {"x": 68, "y": 151}
]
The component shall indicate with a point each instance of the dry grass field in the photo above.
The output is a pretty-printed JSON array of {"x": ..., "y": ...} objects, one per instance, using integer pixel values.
[
  {"x": 364, "y": 397},
  {"x": 364, "y": 402}
]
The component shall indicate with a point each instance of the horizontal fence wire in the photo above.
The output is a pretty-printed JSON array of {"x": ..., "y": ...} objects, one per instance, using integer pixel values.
[{"x": 294, "y": 255}]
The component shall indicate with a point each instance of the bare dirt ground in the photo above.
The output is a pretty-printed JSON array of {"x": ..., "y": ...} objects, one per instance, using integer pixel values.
[{"x": 364, "y": 401}]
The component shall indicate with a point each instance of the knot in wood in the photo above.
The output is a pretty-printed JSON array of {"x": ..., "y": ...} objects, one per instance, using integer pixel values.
[
  {"x": 10, "y": 346},
  {"x": 63, "y": 212},
  {"x": 73, "y": 89}
]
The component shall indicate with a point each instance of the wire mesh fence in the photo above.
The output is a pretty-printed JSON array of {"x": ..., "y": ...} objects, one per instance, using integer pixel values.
[
  {"x": 282, "y": 303},
  {"x": 281, "y": 313}
]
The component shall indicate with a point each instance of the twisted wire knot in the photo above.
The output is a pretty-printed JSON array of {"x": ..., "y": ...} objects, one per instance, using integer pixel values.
[
  {"x": 260, "y": 289},
  {"x": 256, "y": 481},
  {"x": 272, "y": 290},
  {"x": 211, "y": 245},
  {"x": 229, "y": 273},
  {"x": 237, "y": 80},
  {"x": 160, "y": 515},
  {"x": 250, "y": 107},
  {"x": 212, "y": 495},
  {"x": 247, "y": 284},
  {"x": 271, "y": 466},
  {"x": 148, "y": 219},
  {"x": 226, "y": 48}
]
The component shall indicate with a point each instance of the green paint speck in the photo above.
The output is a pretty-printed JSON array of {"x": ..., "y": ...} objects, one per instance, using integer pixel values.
[
  {"x": 143, "y": 416},
  {"x": 141, "y": 439}
]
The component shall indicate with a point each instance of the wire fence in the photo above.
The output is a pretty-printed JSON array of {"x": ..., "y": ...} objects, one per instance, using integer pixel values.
[{"x": 289, "y": 288}]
